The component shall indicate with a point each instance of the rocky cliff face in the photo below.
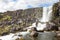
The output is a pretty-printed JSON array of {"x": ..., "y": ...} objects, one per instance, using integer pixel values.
[
  {"x": 56, "y": 13},
  {"x": 13, "y": 21}
]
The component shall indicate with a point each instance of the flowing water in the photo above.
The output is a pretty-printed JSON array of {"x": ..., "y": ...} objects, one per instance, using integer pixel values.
[
  {"x": 47, "y": 11},
  {"x": 46, "y": 17}
]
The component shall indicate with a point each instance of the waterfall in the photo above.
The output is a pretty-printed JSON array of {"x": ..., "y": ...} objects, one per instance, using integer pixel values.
[
  {"x": 47, "y": 12},
  {"x": 46, "y": 17}
]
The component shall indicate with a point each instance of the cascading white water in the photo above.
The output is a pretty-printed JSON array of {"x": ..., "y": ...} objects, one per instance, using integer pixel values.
[
  {"x": 46, "y": 17},
  {"x": 47, "y": 11}
]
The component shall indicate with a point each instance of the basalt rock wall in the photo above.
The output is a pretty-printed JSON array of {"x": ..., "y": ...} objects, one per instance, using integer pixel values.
[{"x": 13, "y": 21}]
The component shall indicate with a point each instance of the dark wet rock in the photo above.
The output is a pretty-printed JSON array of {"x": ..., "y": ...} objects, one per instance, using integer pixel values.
[
  {"x": 34, "y": 33},
  {"x": 17, "y": 39},
  {"x": 55, "y": 28},
  {"x": 5, "y": 33}
]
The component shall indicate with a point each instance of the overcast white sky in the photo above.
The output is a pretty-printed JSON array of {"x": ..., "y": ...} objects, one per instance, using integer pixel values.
[{"x": 8, "y": 5}]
